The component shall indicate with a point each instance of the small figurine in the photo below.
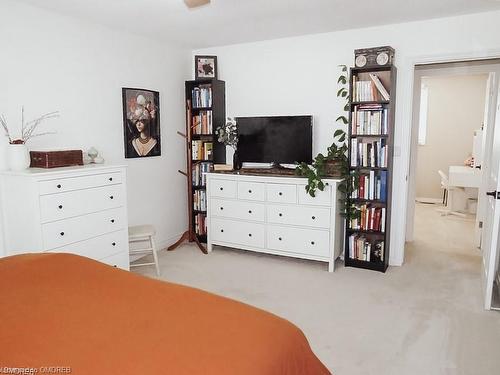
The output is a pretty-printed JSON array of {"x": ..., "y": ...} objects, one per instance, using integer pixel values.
[{"x": 93, "y": 157}]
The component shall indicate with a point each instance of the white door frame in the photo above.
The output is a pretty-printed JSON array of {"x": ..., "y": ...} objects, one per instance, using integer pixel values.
[{"x": 406, "y": 110}]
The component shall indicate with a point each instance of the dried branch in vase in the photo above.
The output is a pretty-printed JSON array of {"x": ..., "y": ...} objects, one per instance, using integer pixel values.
[{"x": 28, "y": 129}]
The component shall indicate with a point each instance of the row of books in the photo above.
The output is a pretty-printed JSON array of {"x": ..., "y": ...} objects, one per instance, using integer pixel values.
[
  {"x": 370, "y": 186},
  {"x": 372, "y": 90},
  {"x": 369, "y": 119},
  {"x": 370, "y": 218},
  {"x": 362, "y": 249},
  {"x": 200, "y": 200},
  {"x": 202, "y": 123},
  {"x": 372, "y": 154},
  {"x": 202, "y": 96},
  {"x": 199, "y": 176},
  {"x": 201, "y": 150},
  {"x": 200, "y": 224}
]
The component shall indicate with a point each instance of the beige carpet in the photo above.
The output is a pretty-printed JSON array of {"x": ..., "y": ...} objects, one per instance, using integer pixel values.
[{"x": 423, "y": 318}]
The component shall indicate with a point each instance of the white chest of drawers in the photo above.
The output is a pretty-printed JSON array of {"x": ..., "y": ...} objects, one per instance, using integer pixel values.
[
  {"x": 274, "y": 215},
  {"x": 79, "y": 210}
]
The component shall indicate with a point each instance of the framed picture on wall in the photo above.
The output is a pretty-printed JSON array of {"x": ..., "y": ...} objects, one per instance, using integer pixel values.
[
  {"x": 141, "y": 122},
  {"x": 205, "y": 67}
]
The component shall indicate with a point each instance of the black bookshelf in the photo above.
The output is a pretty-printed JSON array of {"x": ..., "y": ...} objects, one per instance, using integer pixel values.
[
  {"x": 387, "y": 77},
  {"x": 217, "y": 107}
]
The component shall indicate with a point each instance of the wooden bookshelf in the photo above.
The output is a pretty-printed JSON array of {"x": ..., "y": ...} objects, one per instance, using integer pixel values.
[
  {"x": 371, "y": 148},
  {"x": 205, "y": 111}
]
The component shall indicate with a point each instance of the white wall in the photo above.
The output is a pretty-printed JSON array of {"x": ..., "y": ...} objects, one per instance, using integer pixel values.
[
  {"x": 455, "y": 111},
  {"x": 52, "y": 62},
  {"x": 298, "y": 75}
]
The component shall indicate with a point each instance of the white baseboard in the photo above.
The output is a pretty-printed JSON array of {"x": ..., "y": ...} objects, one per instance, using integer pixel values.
[{"x": 429, "y": 200}]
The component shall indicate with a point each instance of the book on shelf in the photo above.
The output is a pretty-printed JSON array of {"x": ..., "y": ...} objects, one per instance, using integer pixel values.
[
  {"x": 201, "y": 150},
  {"x": 370, "y": 186},
  {"x": 368, "y": 91},
  {"x": 200, "y": 200},
  {"x": 202, "y": 96},
  {"x": 199, "y": 173},
  {"x": 362, "y": 249},
  {"x": 200, "y": 224},
  {"x": 369, "y": 119},
  {"x": 369, "y": 154},
  {"x": 202, "y": 123},
  {"x": 223, "y": 167},
  {"x": 370, "y": 218}
]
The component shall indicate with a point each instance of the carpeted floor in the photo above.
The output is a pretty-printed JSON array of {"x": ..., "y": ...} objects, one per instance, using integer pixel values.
[{"x": 424, "y": 318}]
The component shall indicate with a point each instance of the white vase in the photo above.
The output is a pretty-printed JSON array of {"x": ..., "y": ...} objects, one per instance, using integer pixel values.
[{"x": 18, "y": 157}]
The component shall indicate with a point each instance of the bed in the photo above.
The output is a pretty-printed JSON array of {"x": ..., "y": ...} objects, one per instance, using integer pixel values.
[{"x": 69, "y": 311}]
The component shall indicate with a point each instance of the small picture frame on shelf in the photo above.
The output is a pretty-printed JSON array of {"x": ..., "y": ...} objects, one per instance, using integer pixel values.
[{"x": 205, "y": 67}]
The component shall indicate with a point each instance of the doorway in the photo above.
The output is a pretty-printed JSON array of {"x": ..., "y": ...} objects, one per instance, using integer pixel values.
[{"x": 452, "y": 108}]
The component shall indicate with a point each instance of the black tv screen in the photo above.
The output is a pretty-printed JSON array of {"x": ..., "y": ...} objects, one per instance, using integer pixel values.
[{"x": 275, "y": 139}]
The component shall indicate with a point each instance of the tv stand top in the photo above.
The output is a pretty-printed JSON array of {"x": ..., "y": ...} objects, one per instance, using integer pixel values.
[{"x": 275, "y": 171}]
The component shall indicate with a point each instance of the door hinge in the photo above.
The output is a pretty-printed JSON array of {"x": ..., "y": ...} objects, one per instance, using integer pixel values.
[{"x": 494, "y": 194}]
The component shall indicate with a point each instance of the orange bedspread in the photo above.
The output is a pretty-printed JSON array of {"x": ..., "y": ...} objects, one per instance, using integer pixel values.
[{"x": 68, "y": 311}]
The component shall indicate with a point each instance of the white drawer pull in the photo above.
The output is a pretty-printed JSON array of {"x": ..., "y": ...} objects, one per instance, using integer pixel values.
[
  {"x": 111, "y": 179},
  {"x": 280, "y": 193},
  {"x": 60, "y": 206},
  {"x": 111, "y": 197},
  {"x": 112, "y": 220},
  {"x": 249, "y": 234},
  {"x": 312, "y": 242},
  {"x": 222, "y": 230},
  {"x": 221, "y": 188},
  {"x": 62, "y": 233},
  {"x": 249, "y": 211},
  {"x": 314, "y": 217},
  {"x": 114, "y": 244},
  {"x": 59, "y": 186},
  {"x": 250, "y": 191},
  {"x": 280, "y": 214},
  {"x": 221, "y": 208},
  {"x": 279, "y": 238}
]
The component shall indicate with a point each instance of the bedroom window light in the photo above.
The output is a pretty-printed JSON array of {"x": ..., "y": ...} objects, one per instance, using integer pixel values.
[{"x": 422, "y": 125}]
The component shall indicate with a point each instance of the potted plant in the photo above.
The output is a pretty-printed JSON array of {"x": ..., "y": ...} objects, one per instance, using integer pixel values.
[
  {"x": 335, "y": 163},
  {"x": 18, "y": 157},
  {"x": 228, "y": 135}
]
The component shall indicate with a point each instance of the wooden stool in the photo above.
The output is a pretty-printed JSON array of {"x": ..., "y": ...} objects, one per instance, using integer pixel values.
[{"x": 142, "y": 233}]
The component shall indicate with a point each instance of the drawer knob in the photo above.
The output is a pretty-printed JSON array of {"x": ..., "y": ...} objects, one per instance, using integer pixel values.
[
  {"x": 222, "y": 230},
  {"x": 312, "y": 242},
  {"x": 112, "y": 220},
  {"x": 111, "y": 197},
  {"x": 280, "y": 193},
  {"x": 250, "y": 191},
  {"x": 249, "y": 211},
  {"x": 111, "y": 179},
  {"x": 114, "y": 244},
  {"x": 314, "y": 217},
  {"x": 60, "y": 206},
  {"x": 249, "y": 234},
  {"x": 62, "y": 233},
  {"x": 221, "y": 208},
  {"x": 221, "y": 188},
  {"x": 279, "y": 238},
  {"x": 59, "y": 186},
  {"x": 280, "y": 214}
]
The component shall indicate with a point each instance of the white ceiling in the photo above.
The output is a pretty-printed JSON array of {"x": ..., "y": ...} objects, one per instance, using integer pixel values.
[{"x": 236, "y": 21}]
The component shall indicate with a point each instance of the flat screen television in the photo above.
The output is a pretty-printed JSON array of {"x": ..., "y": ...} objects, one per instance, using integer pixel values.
[{"x": 275, "y": 139}]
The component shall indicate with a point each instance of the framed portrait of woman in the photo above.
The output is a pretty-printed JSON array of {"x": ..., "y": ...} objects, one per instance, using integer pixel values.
[{"x": 141, "y": 122}]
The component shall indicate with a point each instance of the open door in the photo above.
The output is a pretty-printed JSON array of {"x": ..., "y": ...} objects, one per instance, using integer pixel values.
[{"x": 490, "y": 243}]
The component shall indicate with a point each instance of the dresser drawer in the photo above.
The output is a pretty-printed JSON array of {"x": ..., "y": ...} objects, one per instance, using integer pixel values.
[
  {"x": 322, "y": 198},
  {"x": 281, "y": 193},
  {"x": 98, "y": 247},
  {"x": 223, "y": 188},
  {"x": 238, "y": 233},
  {"x": 316, "y": 217},
  {"x": 296, "y": 240},
  {"x": 237, "y": 209},
  {"x": 64, "y": 232},
  {"x": 79, "y": 182},
  {"x": 254, "y": 191},
  {"x": 80, "y": 202},
  {"x": 120, "y": 260}
]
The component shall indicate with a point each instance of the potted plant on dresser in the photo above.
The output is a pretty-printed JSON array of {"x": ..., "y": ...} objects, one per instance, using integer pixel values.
[{"x": 18, "y": 157}]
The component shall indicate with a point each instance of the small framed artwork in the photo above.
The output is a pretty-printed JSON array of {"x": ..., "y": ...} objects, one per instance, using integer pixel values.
[
  {"x": 205, "y": 67},
  {"x": 141, "y": 122}
]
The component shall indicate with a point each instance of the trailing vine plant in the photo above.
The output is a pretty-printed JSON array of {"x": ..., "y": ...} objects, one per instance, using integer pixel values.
[{"x": 335, "y": 163}]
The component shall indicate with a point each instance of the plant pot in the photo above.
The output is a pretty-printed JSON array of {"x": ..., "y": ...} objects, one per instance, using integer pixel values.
[
  {"x": 236, "y": 161},
  {"x": 18, "y": 157},
  {"x": 333, "y": 168}
]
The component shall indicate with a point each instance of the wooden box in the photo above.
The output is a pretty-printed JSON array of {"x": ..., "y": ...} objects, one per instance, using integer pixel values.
[{"x": 54, "y": 159}]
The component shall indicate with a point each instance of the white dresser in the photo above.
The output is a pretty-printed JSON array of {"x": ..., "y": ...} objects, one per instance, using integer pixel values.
[
  {"x": 274, "y": 215},
  {"x": 80, "y": 210}
]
